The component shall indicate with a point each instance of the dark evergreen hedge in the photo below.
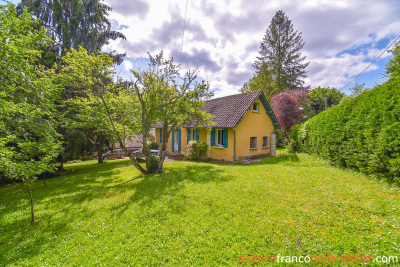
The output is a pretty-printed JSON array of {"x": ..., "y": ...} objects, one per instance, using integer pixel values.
[{"x": 362, "y": 133}]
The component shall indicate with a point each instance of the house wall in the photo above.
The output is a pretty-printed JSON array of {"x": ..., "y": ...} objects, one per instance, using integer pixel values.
[
  {"x": 225, "y": 153},
  {"x": 169, "y": 144},
  {"x": 253, "y": 124}
]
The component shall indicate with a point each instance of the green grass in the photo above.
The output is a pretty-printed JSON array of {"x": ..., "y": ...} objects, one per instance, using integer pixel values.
[{"x": 199, "y": 214}]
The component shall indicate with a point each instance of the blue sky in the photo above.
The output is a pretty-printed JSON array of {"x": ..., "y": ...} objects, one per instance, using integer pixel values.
[
  {"x": 223, "y": 37},
  {"x": 342, "y": 37}
]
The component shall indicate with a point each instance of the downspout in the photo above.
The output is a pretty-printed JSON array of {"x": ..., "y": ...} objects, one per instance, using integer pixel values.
[{"x": 234, "y": 145}]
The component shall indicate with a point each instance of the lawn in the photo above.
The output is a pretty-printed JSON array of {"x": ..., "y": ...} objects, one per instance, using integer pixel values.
[{"x": 199, "y": 214}]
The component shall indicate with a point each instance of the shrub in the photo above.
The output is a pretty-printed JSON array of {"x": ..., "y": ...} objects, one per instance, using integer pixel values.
[
  {"x": 196, "y": 149},
  {"x": 153, "y": 162},
  {"x": 362, "y": 133},
  {"x": 281, "y": 141},
  {"x": 152, "y": 145}
]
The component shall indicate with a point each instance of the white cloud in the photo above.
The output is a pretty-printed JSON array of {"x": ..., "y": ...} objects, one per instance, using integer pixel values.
[
  {"x": 341, "y": 36},
  {"x": 127, "y": 65}
]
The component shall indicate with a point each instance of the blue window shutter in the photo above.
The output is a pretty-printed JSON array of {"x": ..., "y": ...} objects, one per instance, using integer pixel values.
[
  {"x": 179, "y": 140},
  {"x": 160, "y": 135},
  {"x": 213, "y": 137},
  {"x": 173, "y": 141},
  {"x": 188, "y": 135},
  {"x": 197, "y": 135},
  {"x": 225, "y": 137}
]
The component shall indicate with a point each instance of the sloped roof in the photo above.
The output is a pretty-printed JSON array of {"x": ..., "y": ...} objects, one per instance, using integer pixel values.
[{"x": 228, "y": 111}]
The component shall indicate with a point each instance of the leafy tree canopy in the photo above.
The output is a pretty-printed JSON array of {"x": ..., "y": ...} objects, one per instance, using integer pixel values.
[
  {"x": 320, "y": 99},
  {"x": 29, "y": 142},
  {"x": 286, "y": 106}
]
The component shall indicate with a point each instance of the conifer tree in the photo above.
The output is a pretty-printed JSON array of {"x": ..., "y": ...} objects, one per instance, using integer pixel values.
[{"x": 281, "y": 53}]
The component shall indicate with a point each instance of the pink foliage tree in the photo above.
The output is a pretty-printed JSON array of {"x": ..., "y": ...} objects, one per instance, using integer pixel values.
[{"x": 286, "y": 106}]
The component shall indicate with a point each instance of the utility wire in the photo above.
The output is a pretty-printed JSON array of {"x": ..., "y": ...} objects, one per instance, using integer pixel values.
[
  {"x": 183, "y": 32},
  {"x": 371, "y": 63}
]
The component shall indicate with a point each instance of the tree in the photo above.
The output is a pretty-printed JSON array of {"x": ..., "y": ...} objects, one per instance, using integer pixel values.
[
  {"x": 281, "y": 48},
  {"x": 166, "y": 96},
  {"x": 70, "y": 24},
  {"x": 263, "y": 80},
  {"x": 74, "y": 23},
  {"x": 357, "y": 89},
  {"x": 159, "y": 94},
  {"x": 321, "y": 99},
  {"x": 29, "y": 142},
  {"x": 90, "y": 84},
  {"x": 286, "y": 106},
  {"x": 393, "y": 66}
]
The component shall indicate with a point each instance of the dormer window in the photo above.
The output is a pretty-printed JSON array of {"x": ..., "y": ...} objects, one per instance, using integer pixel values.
[{"x": 256, "y": 107}]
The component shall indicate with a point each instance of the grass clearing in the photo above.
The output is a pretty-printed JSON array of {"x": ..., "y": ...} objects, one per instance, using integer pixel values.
[{"x": 198, "y": 214}]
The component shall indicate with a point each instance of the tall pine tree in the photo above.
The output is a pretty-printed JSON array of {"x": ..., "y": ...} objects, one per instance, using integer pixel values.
[
  {"x": 280, "y": 54},
  {"x": 74, "y": 23}
]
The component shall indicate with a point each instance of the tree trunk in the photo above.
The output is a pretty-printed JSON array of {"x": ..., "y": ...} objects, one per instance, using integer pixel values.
[
  {"x": 61, "y": 161},
  {"x": 163, "y": 147},
  {"x": 44, "y": 180},
  {"x": 286, "y": 136},
  {"x": 121, "y": 143},
  {"x": 100, "y": 149},
  {"x": 32, "y": 212},
  {"x": 146, "y": 150}
]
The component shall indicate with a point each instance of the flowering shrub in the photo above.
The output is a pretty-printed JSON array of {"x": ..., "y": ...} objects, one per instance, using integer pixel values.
[{"x": 195, "y": 149}]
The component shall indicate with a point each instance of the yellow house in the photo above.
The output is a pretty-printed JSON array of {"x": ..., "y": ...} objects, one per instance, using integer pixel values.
[{"x": 244, "y": 126}]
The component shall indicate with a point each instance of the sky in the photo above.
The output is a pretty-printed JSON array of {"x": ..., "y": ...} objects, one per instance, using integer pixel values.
[{"x": 223, "y": 37}]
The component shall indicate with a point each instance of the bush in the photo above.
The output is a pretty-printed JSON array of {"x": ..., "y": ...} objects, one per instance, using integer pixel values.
[
  {"x": 196, "y": 149},
  {"x": 281, "y": 141},
  {"x": 362, "y": 133},
  {"x": 152, "y": 145},
  {"x": 153, "y": 162}
]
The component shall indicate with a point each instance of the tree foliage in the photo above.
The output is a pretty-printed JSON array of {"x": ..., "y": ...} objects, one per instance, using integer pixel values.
[
  {"x": 29, "y": 142},
  {"x": 94, "y": 101},
  {"x": 168, "y": 97},
  {"x": 281, "y": 50},
  {"x": 321, "y": 99},
  {"x": 362, "y": 132},
  {"x": 286, "y": 107},
  {"x": 157, "y": 94},
  {"x": 263, "y": 80},
  {"x": 74, "y": 23}
]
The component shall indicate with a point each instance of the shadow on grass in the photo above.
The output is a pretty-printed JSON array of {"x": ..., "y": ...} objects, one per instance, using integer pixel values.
[
  {"x": 67, "y": 201},
  {"x": 170, "y": 185}
]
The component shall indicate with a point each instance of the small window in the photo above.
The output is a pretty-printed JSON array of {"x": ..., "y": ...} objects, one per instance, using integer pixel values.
[
  {"x": 265, "y": 141},
  {"x": 256, "y": 107},
  {"x": 253, "y": 142},
  {"x": 220, "y": 138}
]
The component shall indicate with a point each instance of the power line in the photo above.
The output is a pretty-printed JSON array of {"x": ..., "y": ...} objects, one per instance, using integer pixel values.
[
  {"x": 370, "y": 64},
  {"x": 183, "y": 32}
]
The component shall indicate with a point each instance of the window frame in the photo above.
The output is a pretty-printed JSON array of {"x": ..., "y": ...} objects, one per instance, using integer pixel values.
[
  {"x": 255, "y": 142},
  {"x": 267, "y": 146},
  {"x": 193, "y": 134},
  {"x": 257, "y": 107},
  {"x": 217, "y": 137}
]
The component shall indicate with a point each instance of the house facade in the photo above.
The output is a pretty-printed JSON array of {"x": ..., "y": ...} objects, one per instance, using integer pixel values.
[{"x": 244, "y": 126}]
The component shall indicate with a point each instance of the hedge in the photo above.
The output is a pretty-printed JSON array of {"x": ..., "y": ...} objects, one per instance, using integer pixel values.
[{"x": 362, "y": 133}]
